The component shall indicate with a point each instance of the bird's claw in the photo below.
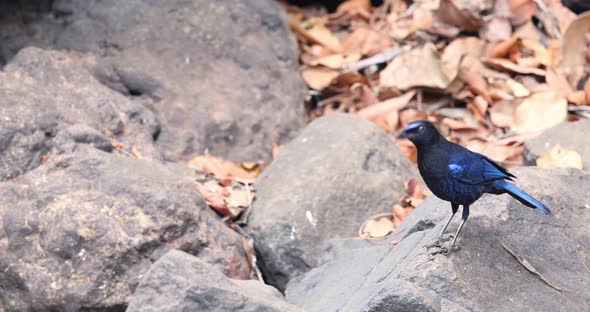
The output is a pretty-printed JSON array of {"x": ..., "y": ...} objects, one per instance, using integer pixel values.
[{"x": 439, "y": 248}]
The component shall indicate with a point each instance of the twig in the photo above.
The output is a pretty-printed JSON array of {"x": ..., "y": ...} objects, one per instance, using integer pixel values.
[
  {"x": 527, "y": 265},
  {"x": 548, "y": 19},
  {"x": 382, "y": 57}
]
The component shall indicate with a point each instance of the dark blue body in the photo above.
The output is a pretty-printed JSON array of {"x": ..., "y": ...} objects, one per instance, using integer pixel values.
[{"x": 460, "y": 176}]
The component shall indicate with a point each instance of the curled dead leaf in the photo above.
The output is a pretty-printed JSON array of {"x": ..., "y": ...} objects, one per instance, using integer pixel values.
[
  {"x": 574, "y": 48},
  {"x": 560, "y": 157},
  {"x": 401, "y": 73},
  {"x": 318, "y": 78},
  {"x": 377, "y": 226},
  {"x": 515, "y": 68},
  {"x": 387, "y": 106},
  {"x": 222, "y": 169},
  {"x": 461, "y": 14},
  {"x": 539, "y": 111}
]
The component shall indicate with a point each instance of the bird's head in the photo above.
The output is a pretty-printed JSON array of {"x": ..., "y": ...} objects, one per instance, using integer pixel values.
[{"x": 421, "y": 133}]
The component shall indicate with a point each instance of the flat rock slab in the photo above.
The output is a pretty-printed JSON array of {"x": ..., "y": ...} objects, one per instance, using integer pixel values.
[
  {"x": 78, "y": 232},
  {"x": 571, "y": 135},
  {"x": 324, "y": 184},
  {"x": 418, "y": 274},
  {"x": 181, "y": 282},
  {"x": 220, "y": 74}
]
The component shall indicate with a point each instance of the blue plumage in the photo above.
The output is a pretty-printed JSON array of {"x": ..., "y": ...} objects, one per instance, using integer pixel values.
[{"x": 458, "y": 175}]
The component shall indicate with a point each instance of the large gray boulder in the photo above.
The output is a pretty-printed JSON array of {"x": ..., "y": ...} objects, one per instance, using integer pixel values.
[
  {"x": 221, "y": 75},
  {"x": 181, "y": 282},
  {"x": 339, "y": 171},
  {"x": 78, "y": 232},
  {"x": 418, "y": 274},
  {"x": 571, "y": 135},
  {"x": 48, "y": 100}
]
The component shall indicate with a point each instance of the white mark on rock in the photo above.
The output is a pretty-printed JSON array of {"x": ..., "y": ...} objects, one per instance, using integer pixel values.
[
  {"x": 313, "y": 221},
  {"x": 187, "y": 60},
  {"x": 304, "y": 140},
  {"x": 587, "y": 206},
  {"x": 293, "y": 232}
]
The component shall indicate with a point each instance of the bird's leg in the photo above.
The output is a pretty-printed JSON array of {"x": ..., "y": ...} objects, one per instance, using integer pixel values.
[
  {"x": 464, "y": 217},
  {"x": 455, "y": 207}
]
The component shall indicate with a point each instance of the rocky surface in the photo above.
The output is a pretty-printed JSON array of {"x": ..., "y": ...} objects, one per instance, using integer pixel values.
[
  {"x": 78, "y": 232},
  {"x": 47, "y": 100},
  {"x": 571, "y": 135},
  {"x": 219, "y": 74},
  {"x": 418, "y": 275},
  {"x": 181, "y": 282},
  {"x": 324, "y": 184}
]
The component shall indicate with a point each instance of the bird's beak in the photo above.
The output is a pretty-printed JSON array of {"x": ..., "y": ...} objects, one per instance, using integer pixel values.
[{"x": 401, "y": 136}]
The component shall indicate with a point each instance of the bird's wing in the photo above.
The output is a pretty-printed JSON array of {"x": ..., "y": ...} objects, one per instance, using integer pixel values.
[{"x": 475, "y": 169}]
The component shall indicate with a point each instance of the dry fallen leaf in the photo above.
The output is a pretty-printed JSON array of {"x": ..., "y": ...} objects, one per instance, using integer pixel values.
[
  {"x": 333, "y": 61},
  {"x": 574, "y": 49},
  {"x": 502, "y": 113},
  {"x": 515, "y": 68},
  {"x": 377, "y": 226},
  {"x": 222, "y": 169},
  {"x": 381, "y": 108},
  {"x": 238, "y": 198},
  {"x": 461, "y": 14},
  {"x": 420, "y": 67},
  {"x": 319, "y": 78},
  {"x": 315, "y": 30},
  {"x": 540, "y": 111},
  {"x": 559, "y": 157}
]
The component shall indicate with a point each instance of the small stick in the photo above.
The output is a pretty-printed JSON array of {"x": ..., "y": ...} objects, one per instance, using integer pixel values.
[
  {"x": 527, "y": 265},
  {"x": 379, "y": 58}
]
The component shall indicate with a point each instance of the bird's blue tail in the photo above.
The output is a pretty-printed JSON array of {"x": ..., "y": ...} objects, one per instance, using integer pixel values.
[{"x": 501, "y": 186}]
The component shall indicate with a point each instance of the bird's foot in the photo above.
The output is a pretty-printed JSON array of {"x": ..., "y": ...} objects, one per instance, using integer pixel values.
[
  {"x": 446, "y": 238},
  {"x": 438, "y": 247}
]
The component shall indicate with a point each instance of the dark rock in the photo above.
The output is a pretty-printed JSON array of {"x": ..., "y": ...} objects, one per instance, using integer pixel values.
[
  {"x": 78, "y": 232},
  {"x": 578, "y": 6},
  {"x": 181, "y": 282},
  {"x": 44, "y": 93},
  {"x": 571, "y": 135},
  {"x": 418, "y": 274},
  {"x": 324, "y": 184},
  {"x": 221, "y": 74}
]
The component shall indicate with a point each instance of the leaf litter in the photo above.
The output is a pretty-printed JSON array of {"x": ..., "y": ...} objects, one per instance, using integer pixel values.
[{"x": 489, "y": 73}]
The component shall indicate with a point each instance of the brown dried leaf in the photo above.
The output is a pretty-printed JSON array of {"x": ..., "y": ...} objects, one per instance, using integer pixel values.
[
  {"x": 333, "y": 61},
  {"x": 560, "y": 157},
  {"x": 574, "y": 48},
  {"x": 214, "y": 198},
  {"x": 462, "y": 14},
  {"x": 515, "y": 68},
  {"x": 539, "y": 111},
  {"x": 387, "y": 106},
  {"x": 522, "y": 11},
  {"x": 221, "y": 169},
  {"x": 497, "y": 152},
  {"x": 497, "y": 29},
  {"x": 378, "y": 226},
  {"x": 353, "y": 7},
  {"x": 401, "y": 73},
  {"x": 502, "y": 113},
  {"x": 318, "y": 78},
  {"x": 318, "y": 33},
  {"x": 454, "y": 53},
  {"x": 577, "y": 98},
  {"x": 238, "y": 198}
]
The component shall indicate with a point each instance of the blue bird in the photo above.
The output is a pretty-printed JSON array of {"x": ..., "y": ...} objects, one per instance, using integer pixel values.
[{"x": 458, "y": 175}]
